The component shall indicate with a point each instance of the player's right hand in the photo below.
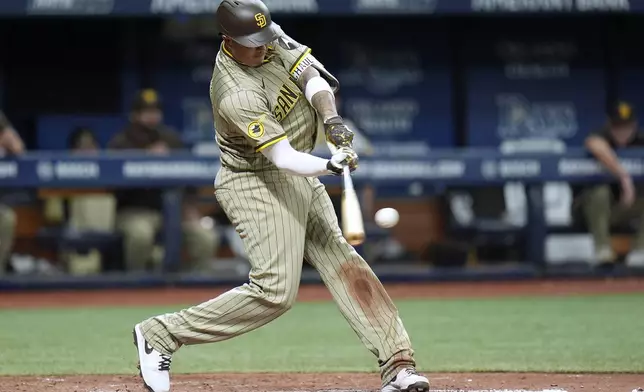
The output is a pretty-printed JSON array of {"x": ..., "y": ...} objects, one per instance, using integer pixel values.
[{"x": 344, "y": 156}]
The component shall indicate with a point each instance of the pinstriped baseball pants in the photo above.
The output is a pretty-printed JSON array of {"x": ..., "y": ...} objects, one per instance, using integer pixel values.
[{"x": 284, "y": 220}]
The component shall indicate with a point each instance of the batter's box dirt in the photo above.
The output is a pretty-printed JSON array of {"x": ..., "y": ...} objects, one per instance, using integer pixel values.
[
  {"x": 437, "y": 390},
  {"x": 330, "y": 382}
]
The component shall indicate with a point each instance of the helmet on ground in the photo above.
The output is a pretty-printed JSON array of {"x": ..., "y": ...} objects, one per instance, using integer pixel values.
[{"x": 247, "y": 22}]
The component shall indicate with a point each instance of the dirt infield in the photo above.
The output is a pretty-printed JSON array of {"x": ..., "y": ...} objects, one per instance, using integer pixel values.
[
  {"x": 327, "y": 382},
  {"x": 174, "y": 296}
]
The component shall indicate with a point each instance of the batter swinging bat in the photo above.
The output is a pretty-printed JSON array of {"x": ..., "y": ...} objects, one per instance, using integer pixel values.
[{"x": 352, "y": 223}]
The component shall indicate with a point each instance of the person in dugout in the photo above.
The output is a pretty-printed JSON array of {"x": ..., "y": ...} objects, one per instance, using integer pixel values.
[
  {"x": 606, "y": 205},
  {"x": 10, "y": 144},
  {"x": 139, "y": 211}
]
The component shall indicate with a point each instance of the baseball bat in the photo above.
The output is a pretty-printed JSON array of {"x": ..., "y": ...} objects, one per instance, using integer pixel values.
[{"x": 352, "y": 222}]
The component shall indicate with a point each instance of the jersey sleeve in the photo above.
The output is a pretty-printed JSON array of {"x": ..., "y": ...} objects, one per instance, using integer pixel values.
[
  {"x": 248, "y": 112},
  {"x": 297, "y": 58}
]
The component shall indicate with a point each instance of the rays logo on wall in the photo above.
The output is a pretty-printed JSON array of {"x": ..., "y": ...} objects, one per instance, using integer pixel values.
[{"x": 520, "y": 118}]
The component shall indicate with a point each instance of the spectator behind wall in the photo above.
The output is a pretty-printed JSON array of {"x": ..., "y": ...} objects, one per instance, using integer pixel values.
[
  {"x": 83, "y": 212},
  {"x": 606, "y": 205},
  {"x": 10, "y": 144},
  {"x": 83, "y": 141},
  {"x": 139, "y": 211}
]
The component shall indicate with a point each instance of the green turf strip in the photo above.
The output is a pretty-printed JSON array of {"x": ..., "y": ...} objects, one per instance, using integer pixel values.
[{"x": 578, "y": 334}]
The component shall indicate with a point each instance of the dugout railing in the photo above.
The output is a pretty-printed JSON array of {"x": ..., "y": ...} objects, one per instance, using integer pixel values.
[{"x": 443, "y": 169}]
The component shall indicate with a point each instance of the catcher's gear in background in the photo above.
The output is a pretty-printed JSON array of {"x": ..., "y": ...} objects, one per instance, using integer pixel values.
[
  {"x": 247, "y": 22},
  {"x": 337, "y": 133},
  {"x": 344, "y": 156}
]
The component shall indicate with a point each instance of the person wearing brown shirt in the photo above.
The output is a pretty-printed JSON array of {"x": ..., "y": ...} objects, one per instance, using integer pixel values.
[
  {"x": 605, "y": 205},
  {"x": 139, "y": 214}
]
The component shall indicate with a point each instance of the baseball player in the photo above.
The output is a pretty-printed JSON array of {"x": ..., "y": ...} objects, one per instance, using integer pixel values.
[{"x": 268, "y": 93}]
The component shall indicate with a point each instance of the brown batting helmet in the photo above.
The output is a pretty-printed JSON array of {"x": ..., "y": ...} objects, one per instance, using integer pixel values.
[{"x": 247, "y": 22}]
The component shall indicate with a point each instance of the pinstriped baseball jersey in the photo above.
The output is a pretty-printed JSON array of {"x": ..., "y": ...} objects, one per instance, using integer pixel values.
[
  {"x": 255, "y": 107},
  {"x": 282, "y": 219}
]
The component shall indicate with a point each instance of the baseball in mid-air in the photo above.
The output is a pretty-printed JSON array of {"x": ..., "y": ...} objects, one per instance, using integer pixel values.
[{"x": 387, "y": 217}]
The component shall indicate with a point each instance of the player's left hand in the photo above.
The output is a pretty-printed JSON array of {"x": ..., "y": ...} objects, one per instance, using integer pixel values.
[
  {"x": 344, "y": 156},
  {"x": 337, "y": 133}
]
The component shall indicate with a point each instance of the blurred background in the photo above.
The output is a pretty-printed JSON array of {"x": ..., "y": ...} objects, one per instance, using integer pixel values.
[{"x": 419, "y": 78}]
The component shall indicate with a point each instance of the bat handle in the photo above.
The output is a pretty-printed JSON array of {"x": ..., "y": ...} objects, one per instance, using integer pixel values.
[
  {"x": 346, "y": 175},
  {"x": 346, "y": 172}
]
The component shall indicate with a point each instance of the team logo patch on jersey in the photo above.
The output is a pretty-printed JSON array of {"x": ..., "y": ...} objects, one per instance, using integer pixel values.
[
  {"x": 261, "y": 20},
  {"x": 256, "y": 129}
]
